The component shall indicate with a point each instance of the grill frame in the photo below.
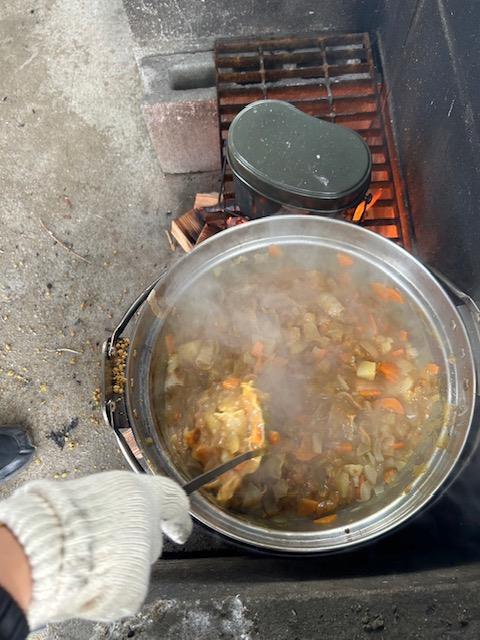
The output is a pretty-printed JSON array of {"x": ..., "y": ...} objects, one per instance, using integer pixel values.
[{"x": 332, "y": 76}]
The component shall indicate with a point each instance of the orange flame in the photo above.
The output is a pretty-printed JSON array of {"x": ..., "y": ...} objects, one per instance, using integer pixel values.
[{"x": 357, "y": 216}]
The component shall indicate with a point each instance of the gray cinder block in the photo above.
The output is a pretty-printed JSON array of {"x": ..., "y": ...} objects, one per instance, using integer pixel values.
[{"x": 180, "y": 110}]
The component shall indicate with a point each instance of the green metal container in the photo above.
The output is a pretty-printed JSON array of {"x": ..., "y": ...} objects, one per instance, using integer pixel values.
[{"x": 282, "y": 158}]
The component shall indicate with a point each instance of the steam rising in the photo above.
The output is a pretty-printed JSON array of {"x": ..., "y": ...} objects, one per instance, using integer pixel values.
[
  {"x": 239, "y": 303},
  {"x": 266, "y": 297}
]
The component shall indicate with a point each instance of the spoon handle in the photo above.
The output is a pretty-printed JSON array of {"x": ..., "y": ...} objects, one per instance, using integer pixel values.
[{"x": 213, "y": 474}]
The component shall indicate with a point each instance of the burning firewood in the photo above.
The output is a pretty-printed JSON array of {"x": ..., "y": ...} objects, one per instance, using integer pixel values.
[
  {"x": 208, "y": 216},
  {"x": 186, "y": 229},
  {"x": 203, "y": 200},
  {"x": 208, "y": 231}
]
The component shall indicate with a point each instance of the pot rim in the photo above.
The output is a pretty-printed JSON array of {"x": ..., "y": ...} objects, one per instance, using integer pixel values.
[{"x": 441, "y": 312}]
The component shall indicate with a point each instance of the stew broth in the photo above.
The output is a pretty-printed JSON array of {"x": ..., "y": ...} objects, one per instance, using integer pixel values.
[{"x": 318, "y": 356}]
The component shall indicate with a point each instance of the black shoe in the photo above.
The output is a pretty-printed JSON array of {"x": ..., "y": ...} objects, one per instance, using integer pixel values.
[{"x": 16, "y": 451}]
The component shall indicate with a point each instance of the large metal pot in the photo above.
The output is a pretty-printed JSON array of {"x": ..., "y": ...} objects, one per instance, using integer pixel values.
[{"x": 365, "y": 522}]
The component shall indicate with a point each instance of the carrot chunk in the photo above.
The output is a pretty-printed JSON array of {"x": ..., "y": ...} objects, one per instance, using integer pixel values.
[
  {"x": 395, "y": 296},
  {"x": 387, "y": 294},
  {"x": 231, "y": 383},
  {"x": 344, "y": 260},
  {"x": 389, "y": 371},
  {"x": 307, "y": 507},
  {"x": 274, "y": 437},
  {"x": 389, "y": 475},
  {"x": 370, "y": 393},
  {"x": 345, "y": 447},
  {"x": 432, "y": 369},
  {"x": 304, "y": 456},
  {"x": 274, "y": 251},
  {"x": 372, "y": 324},
  {"x": 257, "y": 435},
  {"x": 391, "y": 404},
  {"x": 170, "y": 343},
  {"x": 191, "y": 437},
  {"x": 319, "y": 353},
  {"x": 257, "y": 349},
  {"x": 326, "y": 519},
  {"x": 203, "y": 453}
]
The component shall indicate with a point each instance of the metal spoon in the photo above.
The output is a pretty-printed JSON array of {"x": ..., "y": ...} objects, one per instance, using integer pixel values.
[{"x": 213, "y": 474}]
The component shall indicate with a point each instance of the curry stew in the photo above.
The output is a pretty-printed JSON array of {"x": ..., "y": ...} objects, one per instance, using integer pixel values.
[{"x": 326, "y": 362}]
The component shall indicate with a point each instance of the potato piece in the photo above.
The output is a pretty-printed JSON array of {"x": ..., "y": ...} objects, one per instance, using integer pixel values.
[{"x": 367, "y": 370}]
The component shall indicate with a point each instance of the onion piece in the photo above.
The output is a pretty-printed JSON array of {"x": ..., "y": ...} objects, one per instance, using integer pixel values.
[
  {"x": 205, "y": 356},
  {"x": 252, "y": 496},
  {"x": 280, "y": 489},
  {"x": 404, "y": 365},
  {"x": 371, "y": 474},
  {"x": 173, "y": 378},
  {"x": 365, "y": 491},
  {"x": 362, "y": 449},
  {"x": 411, "y": 352},
  {"x": 329, "y": 303},
  {"x": 294, "y": 341},
  {"x": 343, "y": 483},
  {"x": 271, "y": 468},
  {"x": 188, "y": 351},
  {"x": 344, "y": 394},
  {"x": 317, "y": 443},
  {"x": 379, "y": 489},
  {"x": 365, "y": 437},
  {"x": 370, "y": 348},
  {"x": 310, "y": 331},
  {"x": 269, "y": 504},
  {"x": 377, "y": 450},
  {"x": 297, "y": 347},
  {"x": 293, "y": 334},
  {"x": 402, "y": 386},
  {"x": 384, "y": 344},
  {"x": 387, "y": 446},
  {"x": 354, "y": 470},
  {"x": 390, "y": 463}
]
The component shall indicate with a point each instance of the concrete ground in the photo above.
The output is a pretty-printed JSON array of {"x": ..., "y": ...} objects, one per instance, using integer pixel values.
[{"x": 76, "y": 165}]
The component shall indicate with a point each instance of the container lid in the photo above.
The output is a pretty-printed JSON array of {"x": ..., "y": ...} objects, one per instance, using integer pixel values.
[{"x": 298, "y": 160}]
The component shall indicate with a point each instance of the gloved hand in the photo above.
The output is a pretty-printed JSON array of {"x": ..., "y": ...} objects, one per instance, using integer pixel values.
[{"x": 90, "y": 542}]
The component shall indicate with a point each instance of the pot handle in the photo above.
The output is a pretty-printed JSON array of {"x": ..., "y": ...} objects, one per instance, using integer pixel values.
[
  {"x": 110, "y": 418},
  {"x": 470, "y": 314},
  {"x": 134, "y": 307},
  {"x": 113, "y": 404}
]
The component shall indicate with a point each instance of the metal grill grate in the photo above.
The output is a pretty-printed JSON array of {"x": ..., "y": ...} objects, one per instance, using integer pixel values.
[{"x": 328, "y": 76}]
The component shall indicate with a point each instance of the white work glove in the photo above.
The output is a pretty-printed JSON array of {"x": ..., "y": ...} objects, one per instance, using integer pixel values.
[{"x": 90, "y": 542}]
